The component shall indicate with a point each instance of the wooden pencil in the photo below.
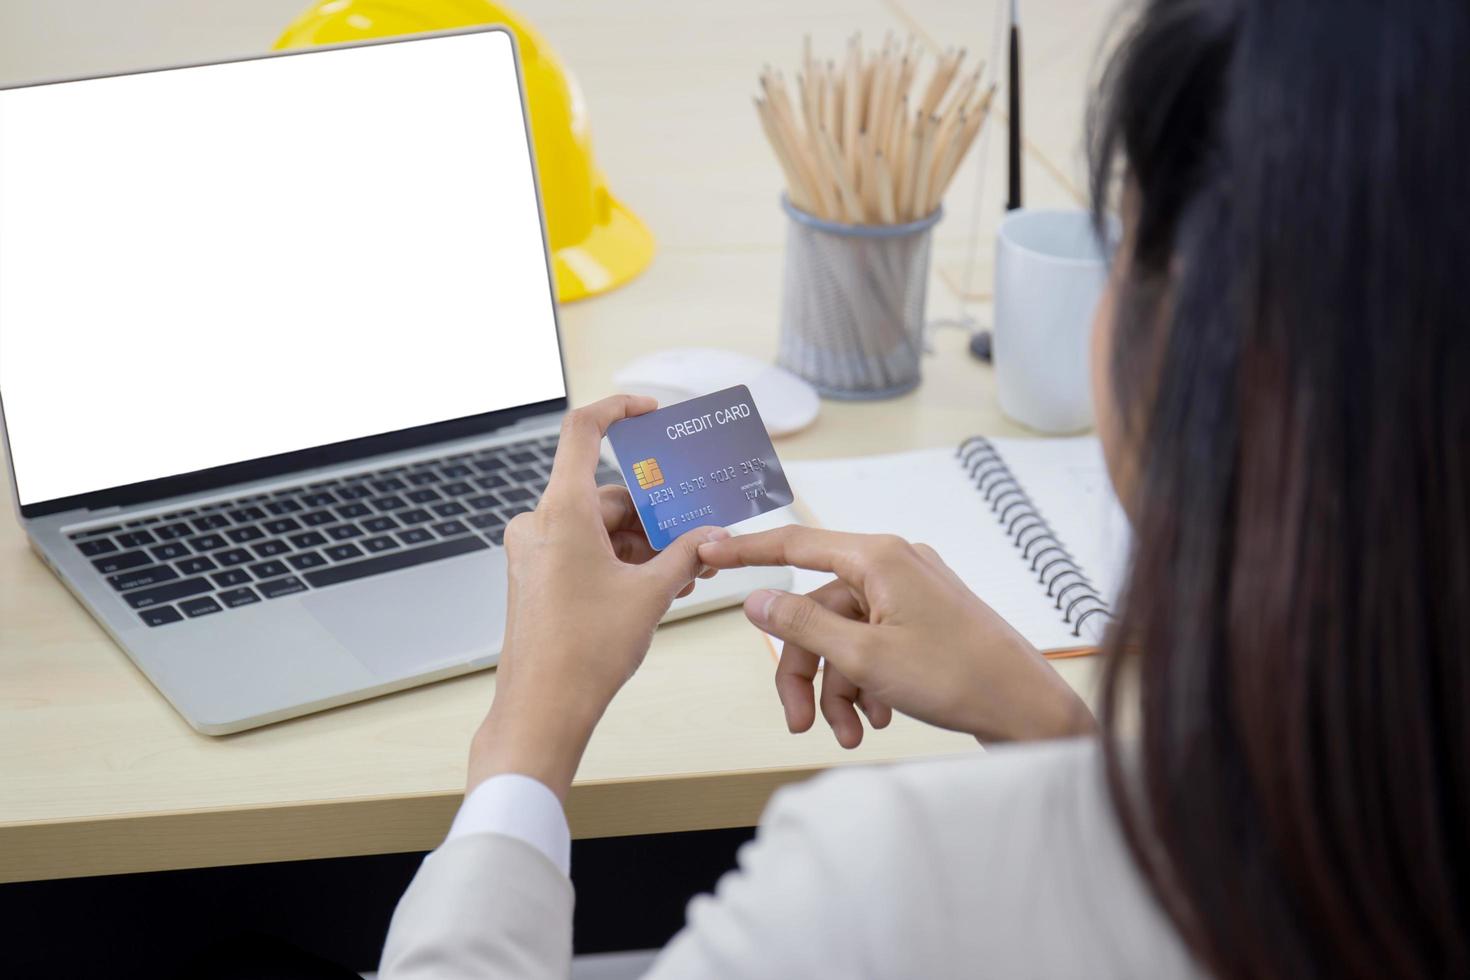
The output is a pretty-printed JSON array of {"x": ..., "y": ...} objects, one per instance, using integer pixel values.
[{"x": 858, "y": 142}]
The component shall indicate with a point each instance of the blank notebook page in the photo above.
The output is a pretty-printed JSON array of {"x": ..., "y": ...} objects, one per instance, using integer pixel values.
[{"x": 927, "y": 496}]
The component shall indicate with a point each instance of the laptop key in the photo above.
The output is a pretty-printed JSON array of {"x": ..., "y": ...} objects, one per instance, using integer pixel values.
[
  {"x": 415, "y": 516},
  {"x": 269, "y": 569},
  {"x": 490, "y": 464},
  {"x": 524, "y": 475},
  {"x": 136, "y": 539},
  {"x": 270, "y": 548},
  {"x": 517, "y": 494},
  {"x": 168, "y": 532},
  {"x": 523, "y": 456},
  {"x": 208, "y": 542},
  {"x": 281, "y": 586},
  {"x": 121, "y": 562},
  {"x": 308, "y": 539},
  {"x": 457, "y": 489},
  {"x": 457, "y": 471},
  {"x": 342, "y": 552},
  {"x": 484, "y": 501},
  {"x": 247, "y": 514},
  {"x": 210, "y": 522},
  {"x": 486, "y": 522},
  {"x": 233, "y": 556},
  {"x": 355, "y": 491},
  {"x": 139, "y": 577},
  {"x": 240, "y": 535},
  {"x": 95, "y": 547},
  {"x": 280, "y": 507},
  {"x": 319, "y": 499},
  {"x": 378, "y": 525},
  {"x": 420, "y": 478},
  {"x": 415, "y": 535},
  {"x": 305, "y": 560},
  {"x": 232, "y": 576},
  {"x": 195, "y": 566},
  {"x": 424, "y": 496},
  {"x": 194, "y": 608},
  {"x": 168, "y": 592},
  {"x": 318, "y": 517},
  {"x": 353, "y": 510},
  {"x": 95, "y": 532},
  {"x": 344, "y": 531},
  {"x": 238, "y": 597},
  {"x": 389, "y": 485},
  {"x": 282, "y": 525},
  {"x": 161, "y": 616},
  {"x": 379, "y": 544},
  {"x": 169, "y": 551},
  {"x": 452, "y": 509},
  {"x": 393, "y": 561},
  {"x": 390, "y": 502},
  {"x": 449, "y": 529},
  {"x": 491, "y": 482}
]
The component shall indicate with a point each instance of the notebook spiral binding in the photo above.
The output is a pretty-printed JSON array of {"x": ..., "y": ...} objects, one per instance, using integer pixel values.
[{"x": 1065, "y": 582}]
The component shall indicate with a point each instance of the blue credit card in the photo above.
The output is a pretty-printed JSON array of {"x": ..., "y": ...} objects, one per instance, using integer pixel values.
[{"x": 706, "y": 461}]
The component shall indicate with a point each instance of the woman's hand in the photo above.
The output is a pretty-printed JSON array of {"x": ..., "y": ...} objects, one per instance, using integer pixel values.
[
  {"x": 899, "y": 631},
  {"x": 586, "y": 592}
]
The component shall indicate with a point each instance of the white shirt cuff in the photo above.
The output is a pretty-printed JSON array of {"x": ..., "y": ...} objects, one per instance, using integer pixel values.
[{"x": 520, "y": 807}]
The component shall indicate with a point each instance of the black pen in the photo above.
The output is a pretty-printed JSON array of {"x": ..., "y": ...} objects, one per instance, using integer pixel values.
[{"x": 1013, "y": 198}]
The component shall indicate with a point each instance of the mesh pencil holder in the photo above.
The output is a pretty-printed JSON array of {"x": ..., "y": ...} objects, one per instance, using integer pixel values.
[{"x": 852, "y": 305}]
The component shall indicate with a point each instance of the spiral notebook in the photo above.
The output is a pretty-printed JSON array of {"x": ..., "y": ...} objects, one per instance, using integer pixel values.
[{"x": 1030, "y": 525}]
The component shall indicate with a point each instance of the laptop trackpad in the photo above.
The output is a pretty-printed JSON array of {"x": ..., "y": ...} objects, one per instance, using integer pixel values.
[{"x": 419, "y": 619}]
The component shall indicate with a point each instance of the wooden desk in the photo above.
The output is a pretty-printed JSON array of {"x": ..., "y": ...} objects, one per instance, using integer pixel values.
[{"x": 99, "y": 776}]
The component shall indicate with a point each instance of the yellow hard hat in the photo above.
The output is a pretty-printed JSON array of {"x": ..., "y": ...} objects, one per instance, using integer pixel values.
[{"x": 596, "y": 243}]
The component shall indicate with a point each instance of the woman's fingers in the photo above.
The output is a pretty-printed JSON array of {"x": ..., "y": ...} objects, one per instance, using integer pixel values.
[
  {"x": 838, "y": 697},
  {"x": 797, "y": 670},
  {"x": 879, "y": 714},
  {"x": 795, "y": 674},
  {"x": 847, "y": 555},
  {"x": 625, "y": 530},
  {"x": 618, "y": 512},
  {"x": 631, "y": 546},
  {"x": 810, "y": 624}
]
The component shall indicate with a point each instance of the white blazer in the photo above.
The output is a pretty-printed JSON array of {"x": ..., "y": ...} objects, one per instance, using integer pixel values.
[{"x": 1008, "y": 864}]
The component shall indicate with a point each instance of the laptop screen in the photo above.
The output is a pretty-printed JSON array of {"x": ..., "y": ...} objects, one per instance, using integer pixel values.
[{"x": 208, "y": 265}]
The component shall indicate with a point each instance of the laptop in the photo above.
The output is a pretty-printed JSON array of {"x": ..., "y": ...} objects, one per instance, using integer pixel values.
[{"x": 279, "y": 359}]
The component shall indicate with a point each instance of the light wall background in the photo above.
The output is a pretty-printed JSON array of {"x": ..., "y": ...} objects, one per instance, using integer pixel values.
[
  {"x": 52, "y": 38},
  {"x": 668, "y": 85}
]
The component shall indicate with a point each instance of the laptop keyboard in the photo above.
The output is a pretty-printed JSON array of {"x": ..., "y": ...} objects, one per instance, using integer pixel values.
[{"x": 229, "y": 554}]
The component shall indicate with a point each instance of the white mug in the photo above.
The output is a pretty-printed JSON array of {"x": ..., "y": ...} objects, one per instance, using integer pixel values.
[{"x": 1049, "y": 273}]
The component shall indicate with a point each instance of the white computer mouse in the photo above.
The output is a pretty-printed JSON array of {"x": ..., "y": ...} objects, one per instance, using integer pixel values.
[{"x": 786, "y": 402}]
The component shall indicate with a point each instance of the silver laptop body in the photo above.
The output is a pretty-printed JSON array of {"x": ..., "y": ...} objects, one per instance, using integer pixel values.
[{"x": 275, "y": 462}]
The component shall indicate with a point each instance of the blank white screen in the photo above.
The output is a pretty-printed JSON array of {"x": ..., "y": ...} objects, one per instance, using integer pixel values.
[{"x": 208, "y": 265}]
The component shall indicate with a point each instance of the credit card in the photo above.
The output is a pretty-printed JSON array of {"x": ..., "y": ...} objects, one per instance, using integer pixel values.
[{"x": 706, "y": 461}]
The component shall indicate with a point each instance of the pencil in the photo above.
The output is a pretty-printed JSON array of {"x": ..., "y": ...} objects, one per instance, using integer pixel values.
[{"x": 845, "y": 119}]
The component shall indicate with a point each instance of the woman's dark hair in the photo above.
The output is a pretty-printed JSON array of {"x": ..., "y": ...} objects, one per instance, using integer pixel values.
[{"x": 1291, "y": 367}]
